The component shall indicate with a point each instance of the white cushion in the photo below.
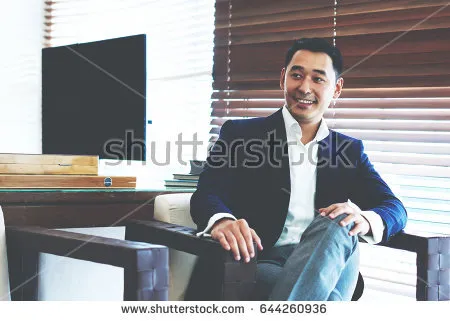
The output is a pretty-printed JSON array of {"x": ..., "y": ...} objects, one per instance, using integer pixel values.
[
  {"x": 4, "y": 279},
  {"x": 175, "y": 209}
]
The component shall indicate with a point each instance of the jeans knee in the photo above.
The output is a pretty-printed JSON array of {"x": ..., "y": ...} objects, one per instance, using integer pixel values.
[
  {"x": 328, "y": 222},
  {"x": 332, "y": 226}
]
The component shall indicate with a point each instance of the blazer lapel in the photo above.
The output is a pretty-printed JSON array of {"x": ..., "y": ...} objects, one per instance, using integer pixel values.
[
  {"x": 280, "y": 175},
  {"x": 323, "y": 172}
]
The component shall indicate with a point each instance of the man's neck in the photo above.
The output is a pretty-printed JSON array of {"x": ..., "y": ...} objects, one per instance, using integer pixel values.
[{"x": 309, "y": 131}]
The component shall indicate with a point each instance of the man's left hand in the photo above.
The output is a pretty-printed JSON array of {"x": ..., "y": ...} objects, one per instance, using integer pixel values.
[{"x": 362, "y": 226}]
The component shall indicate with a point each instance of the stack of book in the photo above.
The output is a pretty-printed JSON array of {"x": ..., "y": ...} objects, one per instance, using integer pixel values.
[
  {"x": 188, "y": 180},
  {"x": 56, "y": 171}
]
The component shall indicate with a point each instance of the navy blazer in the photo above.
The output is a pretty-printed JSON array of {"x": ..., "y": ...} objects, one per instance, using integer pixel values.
[{"x": 247, "y": 175}]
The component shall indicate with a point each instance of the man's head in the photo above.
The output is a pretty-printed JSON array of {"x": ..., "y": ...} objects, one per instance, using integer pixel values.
[{"x": 311, "y": 78}]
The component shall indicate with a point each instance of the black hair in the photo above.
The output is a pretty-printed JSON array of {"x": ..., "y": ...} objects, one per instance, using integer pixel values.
[{"x": 316, "y": 45}]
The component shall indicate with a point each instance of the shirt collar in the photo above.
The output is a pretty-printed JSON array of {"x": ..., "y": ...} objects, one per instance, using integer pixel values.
[{"x": 292, "y": 126}]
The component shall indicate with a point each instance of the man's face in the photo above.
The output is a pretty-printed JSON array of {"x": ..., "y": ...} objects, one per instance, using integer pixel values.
[{"x": 309, "y": 85}]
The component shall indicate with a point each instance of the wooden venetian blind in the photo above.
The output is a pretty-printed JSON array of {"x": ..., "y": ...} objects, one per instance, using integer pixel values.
[
  {"x": 251, "y": 37},
  {"x": 397, "y": 68}
]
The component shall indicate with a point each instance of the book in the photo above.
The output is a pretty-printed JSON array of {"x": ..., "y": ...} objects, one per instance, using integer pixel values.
[
  {"x": 180, "y": 183},
  {"x": 36, "y": 164},
  {"x": 189, "y": 177}
]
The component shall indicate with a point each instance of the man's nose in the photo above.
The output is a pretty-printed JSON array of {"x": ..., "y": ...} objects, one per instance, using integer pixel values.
[{"x": 304, "y": 86}]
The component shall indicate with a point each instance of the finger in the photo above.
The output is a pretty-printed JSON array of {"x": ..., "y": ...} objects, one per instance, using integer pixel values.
[
  {"x": 222, "y": 240},
  {"x": 350, "y": 218},
  {"x": 256, "y": 239},
  {"x": 329, "y": 209},
  {"x": 338, "y": 211},
  {"x": 233, "y": 244},
  {"x": 361, "y": 228},
  {"x": 244, "y": 229},
  {"x": 343, "y": 209},
  {"x": 356, "y": 230},
  {"x": 242, "y": 246},
  {"x": 246, "y": 233}
]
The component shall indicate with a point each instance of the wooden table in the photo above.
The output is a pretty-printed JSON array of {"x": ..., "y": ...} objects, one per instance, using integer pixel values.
[{"x": 58, "y": 208}]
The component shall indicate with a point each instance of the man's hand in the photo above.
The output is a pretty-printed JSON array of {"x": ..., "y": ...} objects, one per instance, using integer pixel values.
[
  {"x": 362, "y": 226},
  {"x": 236, "y": 236}
]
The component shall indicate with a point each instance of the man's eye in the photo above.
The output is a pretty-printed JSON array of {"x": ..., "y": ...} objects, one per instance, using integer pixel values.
[
  {"x": 298, "y": 76},
  {"x": 318, "y": 80}
]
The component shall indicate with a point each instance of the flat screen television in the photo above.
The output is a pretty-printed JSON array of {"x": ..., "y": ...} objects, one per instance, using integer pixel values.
[{"x": 93, "y": 99}]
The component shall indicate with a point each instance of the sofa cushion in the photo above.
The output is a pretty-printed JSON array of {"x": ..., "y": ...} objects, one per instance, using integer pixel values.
[{"x": 175, "y": 209}]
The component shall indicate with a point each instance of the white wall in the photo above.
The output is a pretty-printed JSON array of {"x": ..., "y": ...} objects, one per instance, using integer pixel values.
[{"x": 20, "y": 76}]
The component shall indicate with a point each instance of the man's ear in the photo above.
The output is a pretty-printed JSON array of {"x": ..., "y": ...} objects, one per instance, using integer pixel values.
[
  {"x": 283, "y": 74},
  {"x": 338, "y": 88}
]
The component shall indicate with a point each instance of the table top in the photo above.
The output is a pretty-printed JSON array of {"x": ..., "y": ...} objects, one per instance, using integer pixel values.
[
  {"x": 92, "y": 195},
  {"x": 61, "y": 208}
]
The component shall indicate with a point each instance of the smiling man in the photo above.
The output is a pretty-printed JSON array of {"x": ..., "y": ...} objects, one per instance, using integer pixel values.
[
  {"x": 305, "y": 212},
  {"x": 309, "y": 83}
]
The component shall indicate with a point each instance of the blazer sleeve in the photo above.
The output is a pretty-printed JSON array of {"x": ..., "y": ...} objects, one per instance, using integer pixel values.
[
  {"x": 371, "y": 193},
  {"x": 213, "y": 189}
]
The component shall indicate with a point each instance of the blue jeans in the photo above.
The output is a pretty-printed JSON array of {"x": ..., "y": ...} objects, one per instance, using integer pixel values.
[{"x": 323, "y": 266}]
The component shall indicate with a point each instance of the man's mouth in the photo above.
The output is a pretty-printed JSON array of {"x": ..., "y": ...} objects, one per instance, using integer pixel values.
[{"x": 305, "y": 101}]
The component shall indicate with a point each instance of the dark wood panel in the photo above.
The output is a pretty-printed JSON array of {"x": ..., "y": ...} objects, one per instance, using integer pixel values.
[
  {"x": 59, "y": 209},
  {"x": 24, "y": 197}
]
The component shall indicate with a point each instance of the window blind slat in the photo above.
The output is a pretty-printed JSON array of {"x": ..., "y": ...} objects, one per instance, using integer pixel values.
[
  {"x": 430, "y": 92},
  {"x": 264, "y": 108},
  {"x": 407, "y": 147},
  {"x": 388, "y": 124},
  {"x": 409, "y": 158},
  {"x": 400, "y": 136},
  {"x": 425, "y": 171},
  {"x": 248, "y": 8}
]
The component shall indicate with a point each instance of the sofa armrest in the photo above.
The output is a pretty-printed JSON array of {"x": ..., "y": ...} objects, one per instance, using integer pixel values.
[
  {"x": 145, "y": 265},
  {"x": 238, "y": 278},
  {"x": 433, "y": 263}
]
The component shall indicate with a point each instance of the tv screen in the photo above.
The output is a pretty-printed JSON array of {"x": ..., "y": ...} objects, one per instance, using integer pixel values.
[{"x": 93, "y": 99}]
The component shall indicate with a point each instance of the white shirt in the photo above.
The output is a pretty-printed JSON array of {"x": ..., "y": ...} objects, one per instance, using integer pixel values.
[{"x": 303, "y": 169}]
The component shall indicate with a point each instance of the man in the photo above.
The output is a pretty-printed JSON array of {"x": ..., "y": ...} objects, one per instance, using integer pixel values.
[{"x": 302, "y": 192}]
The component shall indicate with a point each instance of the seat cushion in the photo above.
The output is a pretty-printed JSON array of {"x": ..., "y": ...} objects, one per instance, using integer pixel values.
[
  {"x": 4, "y": 278},
  {"x": 175, "y": 209}
]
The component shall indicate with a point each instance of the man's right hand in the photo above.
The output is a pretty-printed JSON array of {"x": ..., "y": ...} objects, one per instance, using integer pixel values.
[{"x": 236, "y": 236}]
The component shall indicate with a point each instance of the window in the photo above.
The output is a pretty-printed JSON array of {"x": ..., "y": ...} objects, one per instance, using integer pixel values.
[
  {"x": 396, "y": 95},
  {"x": 179, "y": 60}
]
